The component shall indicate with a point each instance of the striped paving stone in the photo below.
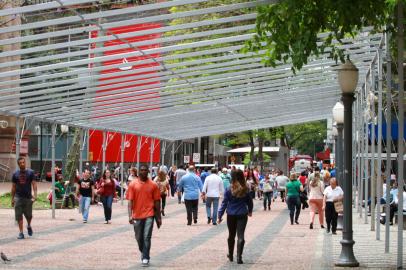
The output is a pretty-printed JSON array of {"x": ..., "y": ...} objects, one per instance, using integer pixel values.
[
  {"x": 62, "y": 247},
  {"x": 292, "y": 246},
  {"x": 209, "y": 251},
  {"x": 369, "y": 252},
  {"x": 66, "y": 243}
]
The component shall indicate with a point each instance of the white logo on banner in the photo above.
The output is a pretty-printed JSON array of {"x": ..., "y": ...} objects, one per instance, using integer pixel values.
[{"x": 125, "y": 61}]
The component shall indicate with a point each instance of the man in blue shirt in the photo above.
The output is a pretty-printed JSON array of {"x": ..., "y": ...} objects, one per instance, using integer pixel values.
[
  {"x": 192, "y": 186},
  {"x": 204, "y": 174}
]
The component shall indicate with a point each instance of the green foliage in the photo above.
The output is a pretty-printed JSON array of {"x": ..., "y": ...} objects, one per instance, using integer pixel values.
[
  {"x": 289, "y": 30},
  {"x": 205, "y": 28},
  {"x": 42, "y": 201},
  {"x": 243, "y": 138},
  {"x": 247, "y": 161},
  {"x": 306, "y": 137}
]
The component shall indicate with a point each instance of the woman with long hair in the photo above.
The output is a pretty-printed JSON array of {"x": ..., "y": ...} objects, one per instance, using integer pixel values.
[
  {"x": 293, "y": 189},
  {"x": 133, "y": 174},
  {"x": 238, "y": 204},
  {"x": 107, "y": 191},
  {"x": 252, "y": 182},
  {"x": 163, "y": 184},
  {"x": 316, "y": 189}
]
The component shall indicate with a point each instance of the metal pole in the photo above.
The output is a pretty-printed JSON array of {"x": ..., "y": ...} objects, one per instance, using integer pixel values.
[
  {"x": 53, "y": 168},
  {"x": 373, "y": 178},
  {"x": 81, "y": 147},
  {"x": 214, "y": 150},
  {"x": 359, "y": 163},
  {"x": 354, "y": 160},
  {"x": 122, "y": 167},
  {"x": 388, "y": 137},
  {"x": 17, "y": 138},
  {"x": 104, "y": 146},
  {"x": 362, "y": 153},
  {"x": 40, "y": 151},
  {"x": 339, "y": 153},
  {"x": 139, "y": 139},
  {"x": 379, "y": 175},
  {"x": 163, "y": 147},
  {"x": 199, "y": 145},
  {"x": 173, "y": 153},
  {"x": 401, "y": 145},
  {"x": 366, "y": 151},
  {"x": 151, "y": 154},
  {"x": 347, "y": 257}
]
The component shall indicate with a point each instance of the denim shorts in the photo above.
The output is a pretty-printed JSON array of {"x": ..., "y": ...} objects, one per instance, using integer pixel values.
[{"x": 22, "y": 206}]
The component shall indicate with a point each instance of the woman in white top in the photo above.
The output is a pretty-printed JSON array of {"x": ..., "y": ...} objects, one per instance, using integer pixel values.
[
  {"x": 316, "y": 189},
  {"x": 332, "y": 193},
  {"x": 133, "y": 174}
]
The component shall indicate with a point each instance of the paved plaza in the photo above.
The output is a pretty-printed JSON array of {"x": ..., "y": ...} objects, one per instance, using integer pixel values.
[{"x": 272, "y": 243}]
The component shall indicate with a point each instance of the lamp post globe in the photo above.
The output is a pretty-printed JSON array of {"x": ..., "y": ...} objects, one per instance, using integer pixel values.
[
  {"x": 347, "y": 79},
  {"x": 338, "y": 113},
  {"x": 64, "y": 128}
]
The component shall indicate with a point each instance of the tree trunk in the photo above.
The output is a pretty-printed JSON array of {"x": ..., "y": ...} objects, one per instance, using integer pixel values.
[
  {"x": 260, "y": 153},
  {"x": 252, "y": 145},
  {"x": 72, "y": 160}
]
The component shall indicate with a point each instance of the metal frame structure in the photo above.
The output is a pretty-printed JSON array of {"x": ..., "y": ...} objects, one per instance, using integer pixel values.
[
  {"x": 197, "y": 78},
  {"x": 189, "y": 76}
]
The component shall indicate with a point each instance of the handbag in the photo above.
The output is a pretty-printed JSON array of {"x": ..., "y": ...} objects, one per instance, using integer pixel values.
[{"x": 338, "y": 206}]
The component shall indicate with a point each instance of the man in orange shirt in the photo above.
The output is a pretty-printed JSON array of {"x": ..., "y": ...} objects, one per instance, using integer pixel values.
[{"x": 144, "y": 204}]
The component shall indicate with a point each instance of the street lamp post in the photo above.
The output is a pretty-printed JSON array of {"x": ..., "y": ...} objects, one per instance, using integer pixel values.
[
  {"x": 338, "y": 116},
  {"x": 347, "y": 78}
]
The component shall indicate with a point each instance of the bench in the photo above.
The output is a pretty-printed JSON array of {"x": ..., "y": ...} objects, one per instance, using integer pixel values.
[{"x": 58, "y": 203}]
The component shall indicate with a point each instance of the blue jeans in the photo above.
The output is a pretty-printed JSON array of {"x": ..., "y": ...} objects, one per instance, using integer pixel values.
[
  {"x": 107, "y": 205},
  {"x": 143, "y": 233},
  {"x": 215, "y": 202},
  {"x": 84, "y": 205}
]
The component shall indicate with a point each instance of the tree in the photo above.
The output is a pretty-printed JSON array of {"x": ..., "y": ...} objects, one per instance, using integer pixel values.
[
  {"x": 306, "y": 137},
  {"x": 69, "y": 171},
  {"x": 250, "y": 137},
  {"x": 289, "y": 30}
]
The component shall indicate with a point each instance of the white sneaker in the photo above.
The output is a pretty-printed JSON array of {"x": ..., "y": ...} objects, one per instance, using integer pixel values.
[{"x": 145, "y": 262}]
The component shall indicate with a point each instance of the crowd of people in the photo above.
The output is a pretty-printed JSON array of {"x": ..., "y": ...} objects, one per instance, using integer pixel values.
[{"x": 228, "y": 190}]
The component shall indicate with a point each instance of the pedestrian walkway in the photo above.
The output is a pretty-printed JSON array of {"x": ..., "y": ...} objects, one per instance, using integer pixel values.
[
  {"x": 369, "y": 252},
  {"x": 272, "y": 243}
]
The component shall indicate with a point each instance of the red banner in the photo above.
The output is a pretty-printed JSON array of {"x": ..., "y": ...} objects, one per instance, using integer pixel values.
[
  {"x": 113, "y": 149},
  {"x": 114, "y": 95},
  {"x": 113, "y": 89}
]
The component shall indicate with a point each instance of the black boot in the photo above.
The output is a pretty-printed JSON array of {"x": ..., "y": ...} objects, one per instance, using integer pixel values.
[
  {"x": 230, "y": 254},
  {"x": 240, "y": 249}
]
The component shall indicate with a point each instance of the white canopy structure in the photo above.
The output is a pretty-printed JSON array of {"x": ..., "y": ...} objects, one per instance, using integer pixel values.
[
  {"x": 81, "y": 67},
  {"x": 266, "y": 149}
]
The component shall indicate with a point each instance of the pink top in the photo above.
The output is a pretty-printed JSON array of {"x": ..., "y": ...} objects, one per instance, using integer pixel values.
[{"x": 317, "y": 191}]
